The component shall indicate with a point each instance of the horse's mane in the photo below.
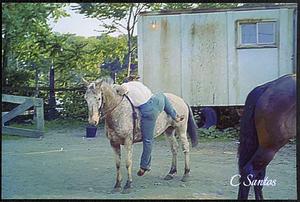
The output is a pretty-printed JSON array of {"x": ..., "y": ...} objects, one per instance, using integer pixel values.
[
  {"x": 110, "y": 95},
  {"x": 108, "y": 91}
]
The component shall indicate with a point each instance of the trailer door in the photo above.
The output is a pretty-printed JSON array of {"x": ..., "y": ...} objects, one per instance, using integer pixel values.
[{"x": 260, "y": 49}]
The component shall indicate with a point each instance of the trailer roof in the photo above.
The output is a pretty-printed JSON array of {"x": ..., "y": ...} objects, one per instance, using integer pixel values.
[{"x": 212, "y": 10}]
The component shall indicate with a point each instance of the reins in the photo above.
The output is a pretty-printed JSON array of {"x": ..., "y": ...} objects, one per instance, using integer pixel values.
[{"x": 110, "y": 110}]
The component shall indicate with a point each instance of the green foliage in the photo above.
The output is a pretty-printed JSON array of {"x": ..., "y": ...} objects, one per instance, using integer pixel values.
[
  {"x": 122, "y": 75},
  {"x": 27, "y": 39},
  {"x": 183, "y": 6},
  {"x": 213, "y": 132},
  {"x": 26, "y": 34},
  {"x": 116, "y": 13},
  {"x": 74, "y": 104},
  {"x": 84, "y": 56},
  {"x": 15, "y": 78}
]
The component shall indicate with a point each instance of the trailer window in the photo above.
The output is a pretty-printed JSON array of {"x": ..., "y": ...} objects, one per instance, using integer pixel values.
[
  {"x": 248, "y": 33},
  {"x": 266, "y": 33},
  {"x": 256, "y": 34}
]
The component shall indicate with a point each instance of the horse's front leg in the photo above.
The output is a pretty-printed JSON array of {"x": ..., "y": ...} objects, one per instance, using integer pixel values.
[
  {"x": 117, "y": 150},
  {"x": 128, "y": 147}
]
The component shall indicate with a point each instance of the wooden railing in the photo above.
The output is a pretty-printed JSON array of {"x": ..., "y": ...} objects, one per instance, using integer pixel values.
[{"x": 25, "y": 103}]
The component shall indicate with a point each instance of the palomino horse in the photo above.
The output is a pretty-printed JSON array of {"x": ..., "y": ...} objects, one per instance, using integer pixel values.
[
  {"x": 268, "y": 122},
  {"x": 118, "y": 114}
]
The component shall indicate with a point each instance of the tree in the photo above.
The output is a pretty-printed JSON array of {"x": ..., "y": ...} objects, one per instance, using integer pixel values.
[
  {"x": 116, "y": 12},
  {"x": 83, "y": 57},
  {"x": 182, "y": 6},
  {"x": 129, "y": 12},
  {"x": 26, "y": 34},
  {"x": 26, "y": 37}
]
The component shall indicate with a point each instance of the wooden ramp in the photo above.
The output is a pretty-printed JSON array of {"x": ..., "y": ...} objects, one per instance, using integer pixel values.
[{"x": 25, "y": 103}]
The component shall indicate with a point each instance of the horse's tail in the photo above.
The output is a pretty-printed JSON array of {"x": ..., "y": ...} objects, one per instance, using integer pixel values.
[
  {"x": 192, "y": 128},
  {"x": 248, "y": 133}
]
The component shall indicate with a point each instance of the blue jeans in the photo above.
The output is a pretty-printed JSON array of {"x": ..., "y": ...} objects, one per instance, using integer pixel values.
[{"x": 150, "y": 111}]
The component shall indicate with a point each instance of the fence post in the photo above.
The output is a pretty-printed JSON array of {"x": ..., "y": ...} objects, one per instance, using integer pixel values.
[{"x": 39, "y": 105}]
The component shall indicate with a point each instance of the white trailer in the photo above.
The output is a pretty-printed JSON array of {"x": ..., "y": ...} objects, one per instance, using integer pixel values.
[{"x": 215, "y": 57}]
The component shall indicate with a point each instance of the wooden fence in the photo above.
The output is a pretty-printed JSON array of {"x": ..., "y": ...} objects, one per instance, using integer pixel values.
[{"x": 25, "y": 103}]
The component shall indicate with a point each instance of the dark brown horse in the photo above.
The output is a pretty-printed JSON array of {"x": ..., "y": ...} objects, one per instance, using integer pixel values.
[{"x": 268, "y": 123}]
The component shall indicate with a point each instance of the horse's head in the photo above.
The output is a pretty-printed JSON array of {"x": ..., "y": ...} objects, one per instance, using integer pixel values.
[{"x": 94, "y": 99}]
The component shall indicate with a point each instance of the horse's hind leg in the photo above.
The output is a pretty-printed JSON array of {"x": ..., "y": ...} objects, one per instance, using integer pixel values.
[
  {"x": 186, "y": 150},
  {"x": 243, "y": 189},
  {"x": 253, "y": 168},
  {"x": 128, "y": 148},
  {"x": 170, "y": 135},
  {"x": 258, "y": 188},
  {"x": 117, "y": 151}
]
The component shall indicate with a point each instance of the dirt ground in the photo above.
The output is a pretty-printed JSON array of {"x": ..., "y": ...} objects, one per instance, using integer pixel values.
[{"x": 85, "y": 169}]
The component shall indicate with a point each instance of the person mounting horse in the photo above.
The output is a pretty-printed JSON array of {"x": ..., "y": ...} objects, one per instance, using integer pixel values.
[
  {"x": 150, "y": 106},
  {"x": 123, "y": 125}
]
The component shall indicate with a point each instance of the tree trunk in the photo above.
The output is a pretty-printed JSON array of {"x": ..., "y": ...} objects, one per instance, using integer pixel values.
[
  {"x": 52, "y": 103},
  {"x": 36, "y": 93},
  {"x": 5, "y": 58},
  {"x": 129, "y": 35},
  {"x": 129, "y": 56}
]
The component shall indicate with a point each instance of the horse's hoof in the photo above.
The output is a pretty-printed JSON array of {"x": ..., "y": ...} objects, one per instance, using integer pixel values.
[
  {"x": 126, "y": 190},
  {"x": 169, "y": 177},
  {"x": 127, "y": 187},
  {"x": 185, "y": 178},
  {"x": 116, "y": 190}
]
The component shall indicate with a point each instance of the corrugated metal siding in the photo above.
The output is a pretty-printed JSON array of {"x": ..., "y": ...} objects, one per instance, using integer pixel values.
[
  {"x": 162, "y": 54},
  {"x": 286, "y": 42},
  {"x": 204, "y": 63}
]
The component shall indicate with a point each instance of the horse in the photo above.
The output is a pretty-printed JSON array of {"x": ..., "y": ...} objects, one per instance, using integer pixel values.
[
  {"x": 267, "y": 124},
  {"x": 117, "y": 112}
]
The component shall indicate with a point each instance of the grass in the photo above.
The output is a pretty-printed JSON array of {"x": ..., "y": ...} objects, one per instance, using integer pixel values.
[
  {"x": 17, "y": 137},
  {"x": 64, "y": 123},
  {"x": 11, "y": 137},
  {"x": 217, "y": 139},
  {"x": 57, "y": 124},
  {"x": 211, "y": 135}
]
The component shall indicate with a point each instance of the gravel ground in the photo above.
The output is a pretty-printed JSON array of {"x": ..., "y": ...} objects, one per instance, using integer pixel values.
[{"x": 64, "y": 164}]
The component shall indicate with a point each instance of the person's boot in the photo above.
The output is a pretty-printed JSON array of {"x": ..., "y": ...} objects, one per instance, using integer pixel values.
[{"x": 142, "y": 171}]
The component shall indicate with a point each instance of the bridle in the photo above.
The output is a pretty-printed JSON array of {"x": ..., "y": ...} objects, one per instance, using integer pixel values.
[{"x": 108, "y": 111}]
